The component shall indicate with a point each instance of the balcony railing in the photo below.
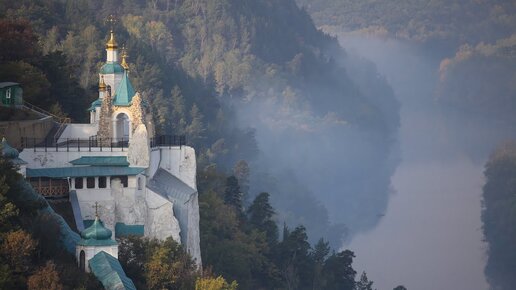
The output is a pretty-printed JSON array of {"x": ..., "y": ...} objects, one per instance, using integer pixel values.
[{"x": 96, "y": 144}]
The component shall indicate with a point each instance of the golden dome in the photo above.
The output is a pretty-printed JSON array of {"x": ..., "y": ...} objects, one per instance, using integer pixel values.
[
  {"x": 111, "y": 44},
  {"x": 124, "y": 63},
  {"x": 102, "y": 84}
]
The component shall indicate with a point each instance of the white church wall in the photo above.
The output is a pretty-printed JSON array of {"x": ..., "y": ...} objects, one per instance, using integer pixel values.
[
  {"x": 106, "y": 205},
  {"x": 160, "y": 221},
  {"x": 113, "y": 80},
  {"x": 129, "y": 205}
]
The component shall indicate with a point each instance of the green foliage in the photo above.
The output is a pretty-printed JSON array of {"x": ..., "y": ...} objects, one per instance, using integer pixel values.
[
  {"x": 218, "y": 283},
  {"x": 424, "y": 21},
  {"x": 165, "y": 264},
  {"x": 499, "y": 217},
  {"x": 479, "y": 81},
  {"x": 364, "y": 283},
  {"x": 233, "y": 195},
  {"x": 260, "y": 216}
]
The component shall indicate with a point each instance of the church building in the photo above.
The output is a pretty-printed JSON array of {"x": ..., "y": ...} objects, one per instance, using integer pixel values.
[{"x": 116, "y": 167}]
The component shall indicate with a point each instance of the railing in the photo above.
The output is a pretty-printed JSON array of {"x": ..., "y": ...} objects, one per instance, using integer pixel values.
[
  {"x": 168, "y": 140},
  {"x": 96, "y": 144},
  {"x": 62, "y": 121},
  {"x": 52, "y": 188}
]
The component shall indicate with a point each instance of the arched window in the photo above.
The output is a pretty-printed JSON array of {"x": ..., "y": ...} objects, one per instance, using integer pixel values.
[
  {"x": 82, "y": 261},
  {"x": 122, "y": 128}
]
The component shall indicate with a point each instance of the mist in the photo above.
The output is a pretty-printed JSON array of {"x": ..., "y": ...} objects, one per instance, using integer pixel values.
[
  {"x": 330, "y": 170},
  {"x": 431, "y": 235}
]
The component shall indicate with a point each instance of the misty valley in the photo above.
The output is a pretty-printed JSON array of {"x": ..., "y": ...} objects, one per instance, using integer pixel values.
[{"x": 258, "y": 144}]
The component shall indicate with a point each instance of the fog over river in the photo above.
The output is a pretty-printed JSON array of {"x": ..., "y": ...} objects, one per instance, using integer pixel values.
[{"x": 430, "y": 235}]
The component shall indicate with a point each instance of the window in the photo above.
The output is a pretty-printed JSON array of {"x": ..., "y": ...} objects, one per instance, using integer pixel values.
[
  {"x": 102, "y": 182},
  {"x": 90, "y": 182},
  {"x": 78, "y": 182},
  {"x": 139, "y": 183},
  {"x": 123, "y": 179}
]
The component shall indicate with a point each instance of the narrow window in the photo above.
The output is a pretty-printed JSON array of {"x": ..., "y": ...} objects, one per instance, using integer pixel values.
[
  {"x": 123, "y": 179},
  {"x": 90, "y": 182},
  {"x": 102, "y": 182},
  {"x": 78, "y": 182},
  {"x": 139, "y": 183}
]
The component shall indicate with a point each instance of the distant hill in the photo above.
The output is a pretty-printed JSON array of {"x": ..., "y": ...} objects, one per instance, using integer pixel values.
[{"x": 455, "y": 21}]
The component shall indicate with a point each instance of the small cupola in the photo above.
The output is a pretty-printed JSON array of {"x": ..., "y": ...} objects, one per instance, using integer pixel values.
[
  {"x": 96, "y": 232},
  {"x": 95, "y": 239},
  {"x": 8, "y": 151}
]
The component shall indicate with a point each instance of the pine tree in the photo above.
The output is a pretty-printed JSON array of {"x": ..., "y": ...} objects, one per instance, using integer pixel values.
[
  {"x": 178, "y": 111},
  {"x": 364, "y": 283},
  {"x": 233, "y": 195},
  {"x": 260, "y": 215},
  {"x": 196, "y": 127},
  {"x": 241, "y": 172}
]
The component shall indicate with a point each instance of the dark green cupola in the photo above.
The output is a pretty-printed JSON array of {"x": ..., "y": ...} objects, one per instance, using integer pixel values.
[{"x": 96, "y": 235}]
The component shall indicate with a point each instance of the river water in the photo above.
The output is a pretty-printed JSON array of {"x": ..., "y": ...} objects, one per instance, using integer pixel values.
[{"x": 430, "y": 235}]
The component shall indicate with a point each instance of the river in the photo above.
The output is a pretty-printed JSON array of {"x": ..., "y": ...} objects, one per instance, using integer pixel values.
[{"x": 430, "y": 236}]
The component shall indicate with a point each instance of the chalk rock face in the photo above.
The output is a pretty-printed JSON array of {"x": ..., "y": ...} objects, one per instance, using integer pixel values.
[
  {"x": 188, "y": 167},
  {"x": 130, "y": 208},
  {"x": 193, "y": 233},
  {"x": 139, "y": 150},
  {"x": 160, "y": 222}
]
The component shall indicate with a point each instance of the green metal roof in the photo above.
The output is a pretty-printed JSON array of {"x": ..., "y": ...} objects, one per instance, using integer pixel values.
[
  {"x": 8, "y": 84},
  {"x": 124, "y": 93},
  {"x": 111, "y": 68},
  {"x": 95, "y": 104},
  {"x": 10, "y": 153},
  {"x": 101, "y": 161},
  {"x": 83, "y": 171},
  {"x": 123, "y": 230},
  {"x": 96, "y": 231},
  {"x": 109, "y": 272}
]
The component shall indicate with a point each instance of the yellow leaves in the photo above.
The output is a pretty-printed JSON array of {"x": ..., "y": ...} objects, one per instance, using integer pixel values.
[
  {"x": 218, "y": 283},
  {"x": 18, "y": 247},
  {"x": 45, "y": 278}
]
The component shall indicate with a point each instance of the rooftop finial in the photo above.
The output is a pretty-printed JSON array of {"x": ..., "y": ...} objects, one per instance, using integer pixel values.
[
  {"x": 111, "y": 44},
  {"x": 102, "y": 84},
  {"x": 124, "y": 63},
  {"x": 96, "y": 210}
]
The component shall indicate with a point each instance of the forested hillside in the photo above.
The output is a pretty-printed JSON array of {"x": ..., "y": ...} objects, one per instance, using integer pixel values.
[
  {"x": 473, "y": 40},
  {"x": 252, "y": 83},
  {"x": 259, "y": 92},
  {"x": 499, "y": 216},
  {"x": 448, "y": 23}
]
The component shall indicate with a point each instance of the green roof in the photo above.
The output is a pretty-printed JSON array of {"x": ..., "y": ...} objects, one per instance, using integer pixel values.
[
  {"x": 94, "y": 104},
  {"x": 109, "y": 272},
  {"x": 124, "y": 93},
  {"x": 83, "y": 171},
  {"x": 111, "y": 68},
  {"x": 8, "y": 84},
  {"x": 123, "y": 230},
  {"x": 96, "y": 231},
  {"x": 101, "y": 161},
  {"x": 10, "y": 153}
]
